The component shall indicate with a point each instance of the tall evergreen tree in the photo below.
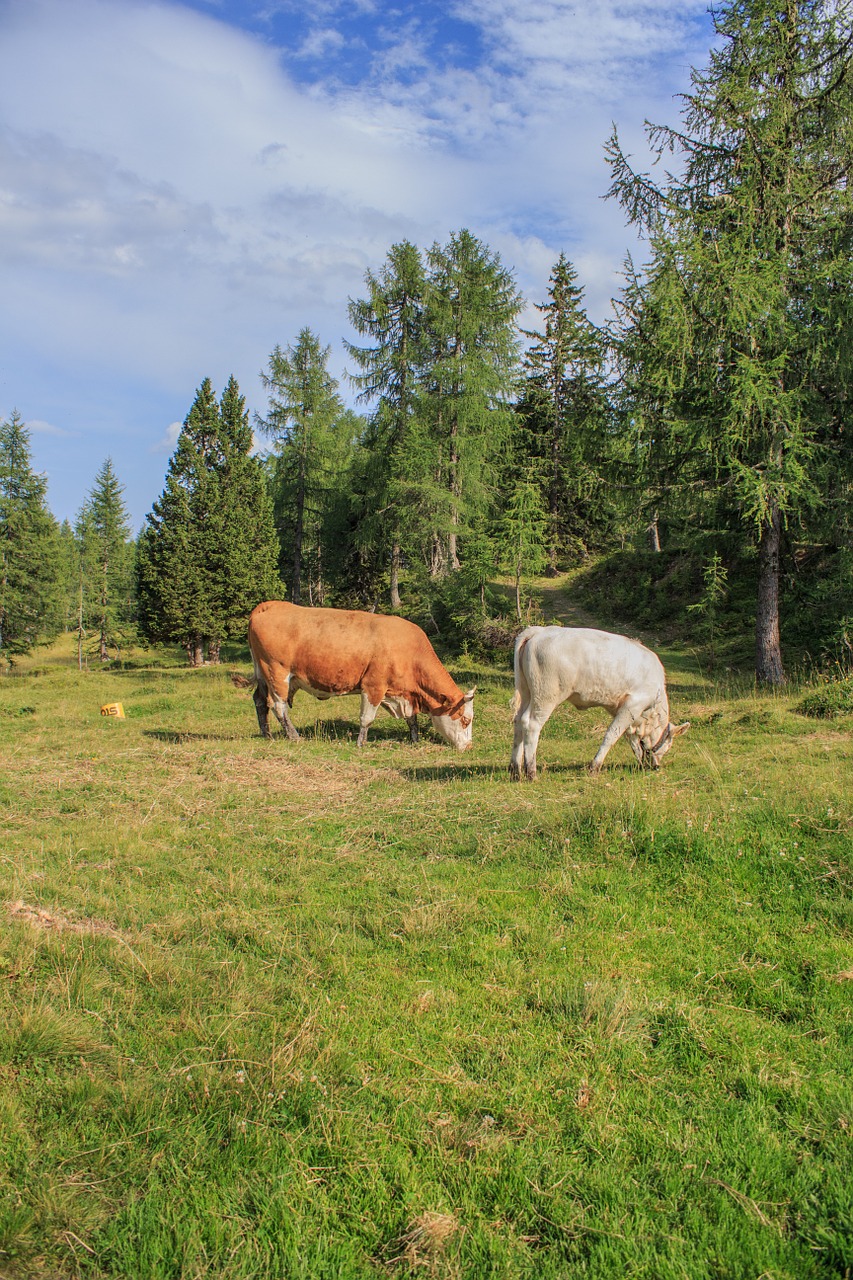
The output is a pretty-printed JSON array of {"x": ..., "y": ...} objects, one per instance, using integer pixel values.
[
  {"x": 30, "y": 562},
  {"x": 751, "y": 265},
  {"x": 244, "y": 565},
  {"x": 208, "y": 531},
  {"x": 106, "y": 562},
  {"x": 564, "y": 412},
  {"x": 472, "y": 305},
  {"x": 305, "y": 411},
  {"x": 392, "y": 315},
  {"x": 523, "y": 529}
]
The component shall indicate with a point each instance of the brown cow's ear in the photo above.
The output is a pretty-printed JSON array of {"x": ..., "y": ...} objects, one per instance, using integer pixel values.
[{"x": 678, "y": 729}]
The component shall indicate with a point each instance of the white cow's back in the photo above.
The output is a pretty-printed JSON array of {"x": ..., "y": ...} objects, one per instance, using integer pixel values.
[{"x": 587, "y": 667}]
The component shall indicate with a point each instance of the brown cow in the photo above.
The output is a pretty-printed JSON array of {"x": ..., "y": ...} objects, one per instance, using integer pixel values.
[{"x": 388, "y": 660}]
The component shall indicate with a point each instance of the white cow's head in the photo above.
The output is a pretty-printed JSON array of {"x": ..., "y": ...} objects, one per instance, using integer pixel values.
[
  {"x": 654, "y": 749},
  {"x": 656, "y": 733},
  {"x": 456, "y": 726}
]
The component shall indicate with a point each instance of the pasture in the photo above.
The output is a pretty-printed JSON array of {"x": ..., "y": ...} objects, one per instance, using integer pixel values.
[{"x": 298, "y": 1010}]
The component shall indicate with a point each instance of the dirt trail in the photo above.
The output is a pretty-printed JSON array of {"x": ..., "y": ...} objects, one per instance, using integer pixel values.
[{"x": 558, "y": 606}]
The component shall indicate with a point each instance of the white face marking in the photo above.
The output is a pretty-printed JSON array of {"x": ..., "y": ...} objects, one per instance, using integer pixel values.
[{"x": 458, "y": 730}]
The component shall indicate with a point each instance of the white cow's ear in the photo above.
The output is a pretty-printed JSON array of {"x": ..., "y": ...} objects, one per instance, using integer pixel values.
[
  {"x": 469, "y": 696},
  {"x": 678, "y": 729}
]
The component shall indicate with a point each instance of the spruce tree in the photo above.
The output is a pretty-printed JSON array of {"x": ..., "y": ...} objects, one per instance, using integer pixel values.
[
  {"x": 305, "y": 411},
  {"x": 244, "y": 562},
  {"x": 195, "y": 556},
  {"x": 750, "y": 267},
  {"x": 563, "y": 412},
  {"x": 106, "y": 563},
  {"x": 30, "y": 557}
]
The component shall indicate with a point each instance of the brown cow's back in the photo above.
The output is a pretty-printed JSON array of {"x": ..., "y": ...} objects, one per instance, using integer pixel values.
[{"x": 337, "y": 651}]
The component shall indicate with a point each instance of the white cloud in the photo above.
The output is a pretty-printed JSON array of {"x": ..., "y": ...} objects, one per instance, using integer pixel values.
[
  {"x": 167, "y": 442},
  {"x": 48, "y": 429}
]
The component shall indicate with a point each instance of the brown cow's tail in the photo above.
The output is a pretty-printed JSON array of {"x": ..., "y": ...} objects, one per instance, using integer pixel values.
[{"x": 241, "y": 682}]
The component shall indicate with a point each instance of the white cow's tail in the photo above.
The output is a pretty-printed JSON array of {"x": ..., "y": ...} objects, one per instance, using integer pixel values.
[{"x": 520, "y": 645}]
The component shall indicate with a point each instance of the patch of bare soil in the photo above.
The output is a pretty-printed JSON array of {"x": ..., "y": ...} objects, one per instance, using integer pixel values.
[
  {"x": 304, "y": 777},
  {"x": 53, "y": 921},
  {"x": 558, "y": 606}
]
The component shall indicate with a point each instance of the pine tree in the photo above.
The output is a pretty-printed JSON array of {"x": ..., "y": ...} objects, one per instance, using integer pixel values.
[
  {"x": 751, "y": 267},
  {"x": 30, "y": 564},
  {"x": 563, "y": 411},
  {"x": 106, "y": 563},
  {"x": 305, "y": 410}
]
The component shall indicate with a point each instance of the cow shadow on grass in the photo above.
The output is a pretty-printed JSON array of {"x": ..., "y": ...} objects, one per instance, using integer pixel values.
[
  {"x": 174, "y": 736},
  {"x": 463, "y": 772}
]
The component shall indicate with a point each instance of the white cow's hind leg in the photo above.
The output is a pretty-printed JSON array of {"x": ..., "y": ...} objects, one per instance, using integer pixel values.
[
  {"x": 534, "y": 724},
  {"x": 368, "y": 715},
  {"x": 620, "y": 722},
  {"x": 516, "y": 760}
]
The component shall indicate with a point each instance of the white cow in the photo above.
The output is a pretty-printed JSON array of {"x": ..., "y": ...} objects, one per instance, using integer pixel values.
[{"x": 590, "y": 669}]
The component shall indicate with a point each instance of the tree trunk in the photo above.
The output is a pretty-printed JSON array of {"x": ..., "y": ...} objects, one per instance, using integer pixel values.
[
  {"x": 395, "y": 575},
  {"x": 768, "y": 649},
  {"x": 299, "y": 533},
  {"x": 653, "y": 531},
  {"x": 195, "y": 651},
  {"x": 213, "y": 648}
]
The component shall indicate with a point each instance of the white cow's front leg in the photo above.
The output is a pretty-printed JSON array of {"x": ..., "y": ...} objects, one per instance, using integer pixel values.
[
  {"x": 368, "y": 715},
  {"x": 620, "y": 722}
]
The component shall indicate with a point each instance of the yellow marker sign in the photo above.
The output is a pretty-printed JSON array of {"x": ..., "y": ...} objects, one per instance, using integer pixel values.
[{"x": 113, "y": 709}]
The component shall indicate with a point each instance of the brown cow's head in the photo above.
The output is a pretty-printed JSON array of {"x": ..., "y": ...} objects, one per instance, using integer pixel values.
[{"x": 456, "y": 725}]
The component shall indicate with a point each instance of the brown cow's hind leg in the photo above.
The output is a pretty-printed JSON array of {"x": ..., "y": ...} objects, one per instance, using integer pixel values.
[{"x": 260, "y": 698}]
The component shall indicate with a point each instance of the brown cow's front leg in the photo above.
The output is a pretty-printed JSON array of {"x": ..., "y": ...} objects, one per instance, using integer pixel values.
[
  {"x": 368, "y": 715},
  {"x": 412, "y": 722},
  {"x": 279, "y": 706}
]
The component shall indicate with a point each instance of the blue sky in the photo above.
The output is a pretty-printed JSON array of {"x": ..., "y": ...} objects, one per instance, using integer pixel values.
[{"x": 185, "y": 185}]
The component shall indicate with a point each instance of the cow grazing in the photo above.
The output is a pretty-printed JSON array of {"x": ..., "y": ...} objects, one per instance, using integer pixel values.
[
  {"x": 388, "y": 660},
  {"x": 590, "y": 669}
]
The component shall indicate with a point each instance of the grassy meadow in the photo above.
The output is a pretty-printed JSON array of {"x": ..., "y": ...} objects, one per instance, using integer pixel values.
[{"x": 299, "y": 1010}]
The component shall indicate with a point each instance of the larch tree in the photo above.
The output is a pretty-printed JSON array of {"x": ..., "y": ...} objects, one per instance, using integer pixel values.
[
  {"x": 305, "y": 410},
  {"x": 30, "y": 553},
  {"x": 390, "y": 378},
  {"x": 750, "y": 267},
  {"x": 472, "y": 364}
]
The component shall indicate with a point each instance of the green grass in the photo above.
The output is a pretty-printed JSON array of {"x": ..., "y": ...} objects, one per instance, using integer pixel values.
[{"x": 299, "y": 1010}]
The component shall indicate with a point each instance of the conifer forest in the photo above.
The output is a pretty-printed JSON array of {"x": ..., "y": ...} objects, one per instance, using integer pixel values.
[{"x": 691, "y": 458}]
